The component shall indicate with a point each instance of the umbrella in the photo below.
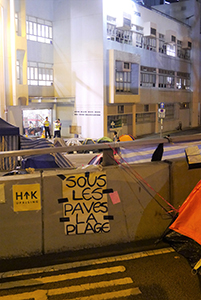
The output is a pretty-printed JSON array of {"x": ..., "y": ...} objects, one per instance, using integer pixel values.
[
  {"x": 126, "y": 138},
  {"x": 105, "y": 139}
]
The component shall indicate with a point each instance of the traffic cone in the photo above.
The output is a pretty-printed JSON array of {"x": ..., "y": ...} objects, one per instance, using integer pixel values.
[{"x": 43, "y": 135}]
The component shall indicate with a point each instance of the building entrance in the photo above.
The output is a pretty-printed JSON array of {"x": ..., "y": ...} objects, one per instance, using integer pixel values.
[{"x": 33, "y": 120}]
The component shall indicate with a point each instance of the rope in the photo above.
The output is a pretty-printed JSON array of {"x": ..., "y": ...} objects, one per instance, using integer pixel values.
[{"x": 142, "y": 181}]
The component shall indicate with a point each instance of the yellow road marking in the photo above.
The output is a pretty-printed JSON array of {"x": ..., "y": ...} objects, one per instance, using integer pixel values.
[
  {"x": 77, "y": 264},
  {"x": 43, "y": 280},
  {"x": 43, "y": 294},
  {"x": 111, "y": 295},
  {"x": 37, "y": 295},
  {"x": 89, "y": 286}
]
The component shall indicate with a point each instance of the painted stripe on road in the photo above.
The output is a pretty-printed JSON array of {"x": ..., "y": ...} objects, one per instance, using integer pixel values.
[
  {"x": 49, "y": 279},
  {"x": 36, "y": 295},
  {"x": 89, "y": 286},
  {"x": 111, "y": 295},
  {"x": 42, "y": 295},
  {"x": 85, "y": 263}
]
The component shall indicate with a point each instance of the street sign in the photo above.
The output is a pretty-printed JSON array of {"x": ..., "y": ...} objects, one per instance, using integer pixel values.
[
  {"x": 162, "y": 105},
  {"x": 26, "y": 197},
  {"x": 161, "y": 113}
]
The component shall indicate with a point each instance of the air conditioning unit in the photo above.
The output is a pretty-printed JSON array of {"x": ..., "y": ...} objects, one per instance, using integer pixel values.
[
  {"x": 170, "y": 37},
  {"x": 187, "y": 43},
  {"x": 123, "y": 22},
  {"x": 122, "y": 66},
  {"x": 150, "y": 29}
]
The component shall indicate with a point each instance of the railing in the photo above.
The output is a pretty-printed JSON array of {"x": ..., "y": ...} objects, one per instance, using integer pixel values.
[{"x": 107, "y": 148}]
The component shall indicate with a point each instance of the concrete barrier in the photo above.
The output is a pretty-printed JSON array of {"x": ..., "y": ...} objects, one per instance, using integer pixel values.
[
  {"x": 20, "y": 231},
  {"x": 54, "y": 211},
  {"x": 137, "y": 216}
]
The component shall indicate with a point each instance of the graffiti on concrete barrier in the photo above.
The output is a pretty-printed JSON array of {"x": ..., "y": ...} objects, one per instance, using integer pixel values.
[{"x": 85, "y": 206}]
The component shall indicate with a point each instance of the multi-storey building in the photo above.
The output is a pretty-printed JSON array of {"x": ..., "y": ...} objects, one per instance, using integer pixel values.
[{"x": 100, "y": 65}]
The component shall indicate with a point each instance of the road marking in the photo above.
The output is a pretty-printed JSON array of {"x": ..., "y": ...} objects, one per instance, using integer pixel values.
[
  {"x": 44, "y": 294},
  {"x": 49, "y": 279},
  {"x": 36, "y": 295},
  {"x": 111, "y": 295},
  {"x": 89, "y": 286},
  {"x": 79, "y": 264}
]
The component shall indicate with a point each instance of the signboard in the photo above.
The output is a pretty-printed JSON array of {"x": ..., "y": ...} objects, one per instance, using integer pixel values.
[
  {"x": 26, "y": 197},
  {"x": 161, "y": 113},
  {"x": 116, "y": 124},
  {"x": 85, "y": 209},
  {"x": 75, "y": 129},
  {"x": 162, "y": 105}
]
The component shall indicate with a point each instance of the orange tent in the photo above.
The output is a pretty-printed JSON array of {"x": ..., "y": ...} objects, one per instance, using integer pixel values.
[
  {"x": 126, "y": 138},
  {"x": 189, "y": 219}
]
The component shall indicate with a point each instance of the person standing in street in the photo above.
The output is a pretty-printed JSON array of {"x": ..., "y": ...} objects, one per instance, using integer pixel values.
[
  {"x": 115, "y": 137},
  {"x": 57, "y": 128},
  {"x": 47, "y": 128}
]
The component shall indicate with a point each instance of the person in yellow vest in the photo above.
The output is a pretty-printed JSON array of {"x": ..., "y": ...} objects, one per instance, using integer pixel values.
[
  {"x": 57, "y": 128},
  {"x": 47, "y": 128}
]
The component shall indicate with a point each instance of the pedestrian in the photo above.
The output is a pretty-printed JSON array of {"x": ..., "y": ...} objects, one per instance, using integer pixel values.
[
  {"x": 57, "y": 128},
  {"x": 47, "y": 128},
  {"x": 115, "y": 137}
]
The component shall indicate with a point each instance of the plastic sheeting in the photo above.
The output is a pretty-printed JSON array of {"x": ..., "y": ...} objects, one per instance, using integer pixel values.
[
  {"x": 185, "y": 246},
  {"x": 9, "y": 141},
  {"x": 55, "y": 160}
]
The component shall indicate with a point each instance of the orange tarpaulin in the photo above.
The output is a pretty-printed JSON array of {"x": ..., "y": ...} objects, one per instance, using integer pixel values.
[{"x": 188, "y": 222}]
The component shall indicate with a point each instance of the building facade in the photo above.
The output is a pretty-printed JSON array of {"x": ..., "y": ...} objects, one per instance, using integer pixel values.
[{"x": 99, "y": 66}]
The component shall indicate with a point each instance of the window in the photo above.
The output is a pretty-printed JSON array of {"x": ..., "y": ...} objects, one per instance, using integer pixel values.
[
  {"x": 111, "y": 32},
  {"x": 120, "y": 36},
  {"x": 40, "y": 74},
  {"x": 187, "y": 54},
  {"x": 123, "y": 77},
  {"x": 153, "y": 31},
  {"x": 123, "y": 36},
  {"x": 138, "y": 35},
  {"x": 162, "y": 45},
  {"x": 39, "y": 30},
  {"x": 183, "y": 81},
  {"x": 149, "y": 43},
  {"x": 148, "y": 77},
  {"x": 180, "y": 51},
  {"x": 139, "y": 39},
  {"x": 120, "y": 109},
  {"x": 184, "y": 105},
  {"x": 18, "y": 71},
  {"x": 17, "y": 23},
  {"x": 114, "y": 34},
  {"x": 123, "y": 81},
  {"x": 171, "y": 49},
  {"x": 173, "y": 38},
  {"x": 145, "y": 118},
  {"x": 166, "y": 79}
]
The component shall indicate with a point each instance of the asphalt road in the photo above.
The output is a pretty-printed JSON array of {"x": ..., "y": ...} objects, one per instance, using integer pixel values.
[{"x": 161, "y": 274}]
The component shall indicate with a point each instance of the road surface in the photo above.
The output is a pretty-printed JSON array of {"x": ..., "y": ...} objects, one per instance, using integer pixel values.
[{"x": 159, "y": 274}]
